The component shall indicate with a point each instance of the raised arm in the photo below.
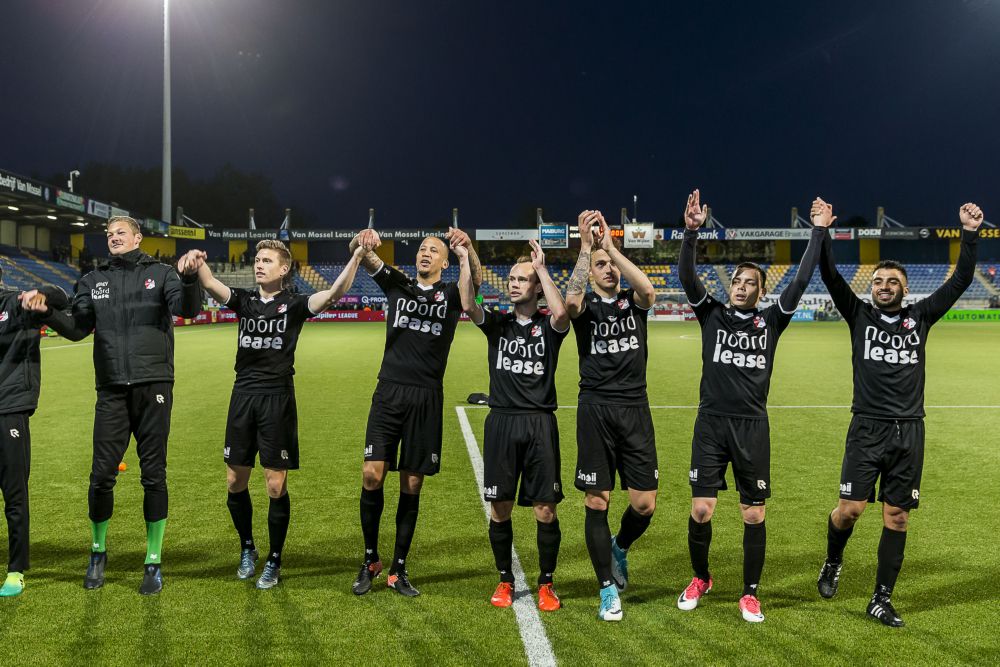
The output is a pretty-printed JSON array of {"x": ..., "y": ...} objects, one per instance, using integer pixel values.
[
  {"x": 694, "y": 217},
  {"x": 215, "y": 287},
  {"x": 558, "y": 314},
  {"x": 181, "y": 289},
  {"x": 323, "y": 299},
  {"x": 944, "y": 297},
  {"x": 822, "y": 219},
  {"x": 577, "y": 285},
  {"x": 645, "y": 294},
  {"x": 457, "y": 238},
  {"x": 368, "y": 238},
  {"x": 466, "y": 286},
  {"x": 843, "y": 296}
]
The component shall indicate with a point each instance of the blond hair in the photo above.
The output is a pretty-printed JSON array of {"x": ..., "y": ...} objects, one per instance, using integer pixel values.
[
  {"x": 279, "y": 247},
  {"x": 133, "y": 225}
]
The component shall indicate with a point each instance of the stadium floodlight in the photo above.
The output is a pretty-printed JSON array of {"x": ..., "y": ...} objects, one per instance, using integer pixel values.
[
  {"x": 73, "y": 174},
  {"x": 51, "y": 217},
  {"x": 454, "y": 218},
  {"x": 371, "y": 218},
  {"x": 166, "y": 190},
  {"x": 12, "y": 208}
]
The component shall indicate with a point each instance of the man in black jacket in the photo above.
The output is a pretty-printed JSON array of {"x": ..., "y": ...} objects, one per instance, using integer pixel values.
[
  {"x": 20, "y": 378},
  {"x": 128, "y": 302}
]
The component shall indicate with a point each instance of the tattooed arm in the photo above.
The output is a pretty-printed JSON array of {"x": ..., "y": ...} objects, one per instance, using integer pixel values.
[
  {"x": 577, "y": 284},
  {"x": 369, "y": 260}
]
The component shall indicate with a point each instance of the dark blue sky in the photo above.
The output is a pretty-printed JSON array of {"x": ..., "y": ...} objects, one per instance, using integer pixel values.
[{"x": 494, "y": 107}]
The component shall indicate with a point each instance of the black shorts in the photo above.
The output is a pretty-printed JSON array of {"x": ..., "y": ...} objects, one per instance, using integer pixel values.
[
  {"x": 265, "y": 423},
  {"x": 407, "y": 413},
  {"x": 746, "y": 443},
  {"x": 891, "y": 449},
  {"x": 521, "y": 446},
  {"x": 615, "y": 438}
]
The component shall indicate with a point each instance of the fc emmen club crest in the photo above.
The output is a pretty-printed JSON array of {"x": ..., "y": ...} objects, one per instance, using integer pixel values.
[
  {"x": 758, "y": 322},
  {"x": 150, "y": 283},
  {"x": 282, "y": 308},
  {"x": 622, "y": 304},
  {"x": 909, "y": 323},
  {"x": 439, "y": 296},
  {"x": 3, "y": 316},
  {"x": 535, "y": 330}
]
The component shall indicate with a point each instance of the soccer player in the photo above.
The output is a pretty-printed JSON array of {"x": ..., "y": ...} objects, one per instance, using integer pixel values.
[
  {"x": 521, "y": 438},
  {"x": 614, "y": 429},
  {"x": 407, "y": 406},
  {"x": 886, "y": 435},
  {"x": 129, "y": 302},
  {"x": 20, "y": 379},
  {"x": 738, "y": 346},
  {"x": 262, "y": 413}
]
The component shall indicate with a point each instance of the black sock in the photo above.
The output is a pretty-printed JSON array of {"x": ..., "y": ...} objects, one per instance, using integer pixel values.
[
  {"x": 549, "y": 537},
  {"x": 372, "y": 503},
  {"x": 836, "y": 540},
  {"x": 241, "y": 509},
  {"x": 277, "y": 526},
  {"x": 699, "y": 540},
  {"x": 632, "y": 527},
  {"x": 754, "y": 547},
  {"x": 598, "y": 536},
  {"x": 406, "y": 523},
  {"x": 502, "y": 541},
  {"x": 890, "y": 559}
]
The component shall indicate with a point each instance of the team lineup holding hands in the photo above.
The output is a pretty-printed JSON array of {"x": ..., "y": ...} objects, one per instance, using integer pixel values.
[{"x": 128, "y": 303}]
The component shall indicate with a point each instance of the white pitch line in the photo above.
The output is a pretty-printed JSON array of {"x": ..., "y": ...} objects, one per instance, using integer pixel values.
[
  {"x": 776, "y": 407},
  {"x": 536, "y": 643},
  {"x": 91, "y": 342}
]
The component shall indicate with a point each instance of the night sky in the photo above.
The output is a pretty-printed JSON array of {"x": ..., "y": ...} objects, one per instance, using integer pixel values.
[{"x": 498, "y": 107}]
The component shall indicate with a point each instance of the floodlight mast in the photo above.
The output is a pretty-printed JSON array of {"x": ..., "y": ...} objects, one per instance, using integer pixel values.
[{"x": 167, "y": 165}]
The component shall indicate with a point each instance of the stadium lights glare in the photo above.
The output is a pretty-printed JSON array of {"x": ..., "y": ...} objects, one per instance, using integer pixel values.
[
  {"x": 13, "y": 208},
  {"x": 79, "y": 224},
  {"x": 51, "y": 217}
]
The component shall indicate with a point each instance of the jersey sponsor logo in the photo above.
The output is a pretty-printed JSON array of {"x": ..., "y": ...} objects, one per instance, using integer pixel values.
[
  {"x": 422, "y": 317},
  {"x": 738, "y": 349},
  {"x": 270, "y": 330},
  {"x": 613, "y": 336},
  {"x": 100, "y": 291},
  {"x": 150, "y": 283},
  {"x": 520, "y": 356},
  {"x": 693, "y": 474},
  {"x": 490, "y": 491},
  {"x": 14, "y": 433},
  {"x": 282, "y": 308},
  {"x": 761, "y": 484},
  {"x": 3, "y": 316},
  {"x": 880, "y": 345},
  {"x": 845, "y": 487},
  {"x": 588, "y": 478}
]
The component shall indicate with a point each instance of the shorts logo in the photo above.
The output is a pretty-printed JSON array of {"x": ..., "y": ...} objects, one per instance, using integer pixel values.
[
  {"x": 846, "y": 487},
  {"x": 150, "y": 283},
  {"x": 588, "y": 478},
  {"x": 761, "y": 484},
  {"x": 656, "y": 473},
  {"x": 434, "y": 458},
  {"x": 439, "y": 296},
  {"x": 284, "y": 454},
  {"x": 490, "y": 491},
  {"x": 693, "y": 474},
  {"x": 909, "y": 323},
  {"x": 916, "y": 494},
  {"x": 282, "y": 308},
  {"x": 536, "y": 330},
  {"x": 369, "y": 450},
  {"x": 622, "y": 304},
  {"x": 758, "y": 322},
  {"x": 225, "y": 452},
  {"x": 3, "y": 316},
  {"x": 14, "y": 433},
  {"x": 555, "y": 487},
  {"x": 159, "y": 398}
]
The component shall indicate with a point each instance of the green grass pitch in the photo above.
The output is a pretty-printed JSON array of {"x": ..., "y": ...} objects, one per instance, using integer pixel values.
[{"x": 947, "y": 592}]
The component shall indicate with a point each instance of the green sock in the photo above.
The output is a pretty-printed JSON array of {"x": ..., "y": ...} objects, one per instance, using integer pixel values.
[
  {"x": 99, "y": 533},
  {"x": 154, "y": 540}
]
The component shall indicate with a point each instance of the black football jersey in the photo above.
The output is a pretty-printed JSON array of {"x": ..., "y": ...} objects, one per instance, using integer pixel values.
[
  {"x": 268, "y": 333},
  {"x": 737, "y": 357},
  {"x": 419, "y": 328},
  {"x": 523, "y": 358},
  {"x": 888, "y": 349},
  {"x": 611, "y": 341}
]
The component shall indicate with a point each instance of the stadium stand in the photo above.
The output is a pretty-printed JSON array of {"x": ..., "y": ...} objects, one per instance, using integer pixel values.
[{"x": 24, "y": 271}]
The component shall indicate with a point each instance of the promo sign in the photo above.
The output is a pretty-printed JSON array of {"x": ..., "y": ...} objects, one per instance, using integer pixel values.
[
  {"x": 553, "y": 236},
  {"x": 639, "y": 235}
]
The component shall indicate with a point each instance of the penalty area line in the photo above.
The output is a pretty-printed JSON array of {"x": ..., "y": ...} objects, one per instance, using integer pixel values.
[{"x": 536, "y": 643}]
